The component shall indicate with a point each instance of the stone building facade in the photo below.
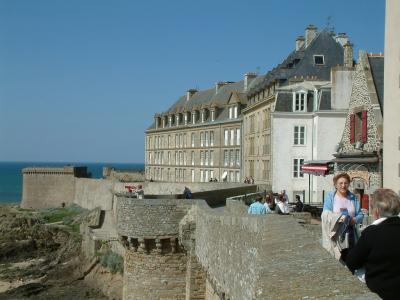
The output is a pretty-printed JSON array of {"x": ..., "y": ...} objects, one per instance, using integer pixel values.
[
  {"x": 313, "y": 57},
  {"x": 391, "y": 132},
  {"x": 200, "y": 137},
  {"x": 360, "y": 150}
]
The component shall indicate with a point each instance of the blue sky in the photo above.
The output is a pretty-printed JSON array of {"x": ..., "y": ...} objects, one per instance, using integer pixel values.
[{"x": 80, "y": 80}]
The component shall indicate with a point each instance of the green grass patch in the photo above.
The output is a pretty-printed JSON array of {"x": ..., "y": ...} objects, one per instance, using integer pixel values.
[{"x": 112, "y": 261}]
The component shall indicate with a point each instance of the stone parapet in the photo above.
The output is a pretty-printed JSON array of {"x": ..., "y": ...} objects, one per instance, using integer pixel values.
[
  {"x": 150, "y": 218},
  {"x": 268, "y": 257}
]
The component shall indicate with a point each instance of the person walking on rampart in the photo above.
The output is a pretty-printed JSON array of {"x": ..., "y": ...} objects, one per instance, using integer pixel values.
[
  {"x": 187, "y": 193},
  {"x": 257, "y": 208}
]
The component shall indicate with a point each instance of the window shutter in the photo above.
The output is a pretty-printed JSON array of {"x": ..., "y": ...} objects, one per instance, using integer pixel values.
[
  {"x": 364, "y": 127},
  {"x": 352, "y": 123}
]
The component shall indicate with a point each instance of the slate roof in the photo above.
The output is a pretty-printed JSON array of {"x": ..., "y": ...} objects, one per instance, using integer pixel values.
[
  {"x": 301, "y": 63},
  {"x": 208, "y": 98},
  {"x": 284, "y": 99},
  {"x": 377, "y": 70}
]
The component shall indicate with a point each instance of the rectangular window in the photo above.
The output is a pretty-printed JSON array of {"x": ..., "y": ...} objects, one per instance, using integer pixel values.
[
  {"x": 184, "y": 158},
  {"x": 319, "y": 60},
  {"x": 237, "y": 176},
  {"x": 230, "y": 112},
  {"x": 193, "y": 118},
  {"x": 177, "y": 120},
  {"x": 237, "y": 158},
  {"x": 225, "y": 157},
  {"x": 297, "y": 163},
  {"x": 211, "y": 138},
  {"x": 232, "y": 158},
  {"x": 235, "y": 112},
  {"x": 192, "y": 174},
  {"x": 201, "y": 158},
  {"x": 231, "y": 176},
  {"x": 206, "y": 176},
  {"x": 299, "y": 135},
  {"x": 299, "y": 102},
  {"x": 206, "y": 158},
  {"x": 211, "y": 158},
  {"x": 184, "y": 140},
  {"x": 192, "y": 158},
  {"x": 206, "y": 138},
  {"x": 201, "y": 175},
  {"x": 180, "y": 158},
  {"x": 211, "y": 174},
  {"x": 169, "y": 157},
  {"x": 192, "y": 139},
  {"x": 238, "y": 136},
  {"x": 176, "y": 158},
  {"x": 176, "y": 141},
  {"x": 201, "y": 139},
  {"x": 226, "y": 137},
  {"x": 232, "y": 137},
  {"x": 212, "y": 115}
]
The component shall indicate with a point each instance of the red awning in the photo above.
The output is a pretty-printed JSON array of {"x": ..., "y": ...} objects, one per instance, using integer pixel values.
[{"x": 316, "y": 168}]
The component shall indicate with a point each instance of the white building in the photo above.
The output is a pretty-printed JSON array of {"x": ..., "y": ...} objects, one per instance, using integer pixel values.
[
  {"x": 308, "y": 121},
  {"x": 391, "y": 124}
]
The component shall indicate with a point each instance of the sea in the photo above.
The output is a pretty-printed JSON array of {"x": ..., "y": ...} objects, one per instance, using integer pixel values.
[{"x": 11, "y": 175}]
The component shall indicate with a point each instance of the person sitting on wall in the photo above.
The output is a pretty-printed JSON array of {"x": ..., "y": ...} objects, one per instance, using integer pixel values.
[
  {"x": 140, "y": 192},
  {"x": 299, "y": 205},
  {"x": 378, "y": 248},
  {"x": 246, "y": 180},
  {"x": 187, "y": 193},
  {"x": 251, "y": 180},
  {"x": 215, "y": 179},
  {"x": 267, "y": 203},
  {"x": 211, "y": 180},
  {"x": 282, "y": 207},
  {"x": 257, "y": 208}
]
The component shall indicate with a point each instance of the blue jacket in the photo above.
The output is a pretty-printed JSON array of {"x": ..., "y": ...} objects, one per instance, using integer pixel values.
[
  {"x": 328, "y": 204},
  {"x": 257, "y": 208}
]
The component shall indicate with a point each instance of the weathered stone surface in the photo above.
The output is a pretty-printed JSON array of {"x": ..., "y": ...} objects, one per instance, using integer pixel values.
[{"x": 269, "y": 257}]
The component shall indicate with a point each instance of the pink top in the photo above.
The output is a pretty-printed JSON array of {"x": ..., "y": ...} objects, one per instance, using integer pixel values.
[{"x": 339, "y": 202}]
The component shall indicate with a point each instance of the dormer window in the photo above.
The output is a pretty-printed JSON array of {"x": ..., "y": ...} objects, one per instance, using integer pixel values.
[
  {"x": 170, "y": 121},
  {"x": 213, "y": 115},
  {"x": 233, "y": 112},
  {"x": 163, "y": 122},
  {"x": 319, "y": 60},
  {"x": 203, "y": 116},
  {"x": 177, "y": 119},
  {"x": 299, "y": 101},
  {"x": 185, "y": 117},
  {"x": 194, "y": 117}
]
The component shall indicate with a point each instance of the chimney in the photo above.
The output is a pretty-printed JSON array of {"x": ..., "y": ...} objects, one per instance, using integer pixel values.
[
  {"x": 342, "y": 38},
  {"x": 190, "y": 93},
  {"x": 348, "y": 55},
  {"x": 311, "y": 33},
  {"x": 300, "y": 42},
  {"x": 248, "y": 77}
]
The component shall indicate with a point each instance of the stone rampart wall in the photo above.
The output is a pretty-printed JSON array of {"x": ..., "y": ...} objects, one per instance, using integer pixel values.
[
  {"x": 44, "y": 188},
  {"x": 91, "y": 193},
  {"x": 154, "y": 275},
  {"x": 175, "y": 188},
  {"x": 266, "y": 257},
  {"x": 139, "y": 218}
]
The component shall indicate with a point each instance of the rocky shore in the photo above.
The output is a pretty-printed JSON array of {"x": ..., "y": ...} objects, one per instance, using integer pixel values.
[{"x": 40, "y": 256}]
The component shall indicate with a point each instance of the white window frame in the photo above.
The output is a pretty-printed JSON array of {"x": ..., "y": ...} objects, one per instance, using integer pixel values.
[
  {"x": 226, "y": 137},
  {"x": 235, "y": 111},
  {"x": 323, "y": 59},
  {"x": 232, "y": 139},
  {"x": 238, "y": 136},
  {"x": 192, "y": 158},
  {"x": 230, "y": 112},
  {"x": 297, "y": 135},
  {"x": 211, "y": 158},
  {"x": 192, "y": 174},
  {"x": 213, "y": 115},
  {"x": 296, "y": 167},
  {"x": 211, "y": 138},
  {"x": 201, "y": 139},
  {"x": 193, "y": 117},
  {"x": 192, "y": 138},
  {"x": 302, "y": 101},
  {"x": 206, "y": 135}
]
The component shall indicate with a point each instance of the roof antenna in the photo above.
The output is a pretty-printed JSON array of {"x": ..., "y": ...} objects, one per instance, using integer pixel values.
[{"x": 329, "y": 25}]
